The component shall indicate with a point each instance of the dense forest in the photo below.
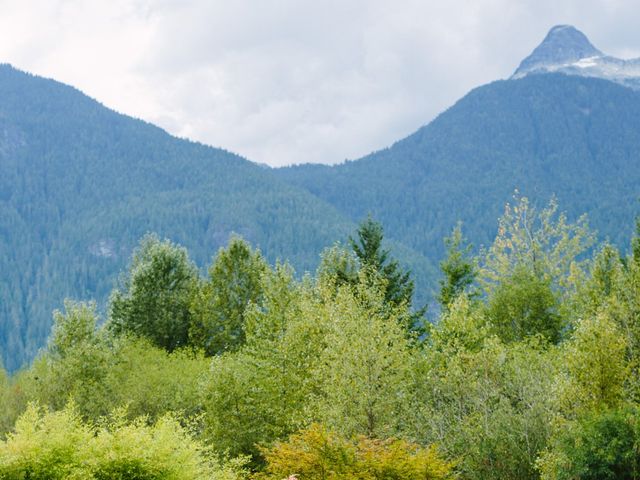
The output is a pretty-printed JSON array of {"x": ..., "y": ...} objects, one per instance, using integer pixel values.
[
  {"x": 80, "y": 185},
  {"x": 551, "y": 134},
  {"x": 529, "y": 368}
]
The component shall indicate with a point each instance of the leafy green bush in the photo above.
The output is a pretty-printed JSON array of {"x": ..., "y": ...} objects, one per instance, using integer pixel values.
[
  {"x": 58, "y": 445},
  {"x": 600, "y": 446}
]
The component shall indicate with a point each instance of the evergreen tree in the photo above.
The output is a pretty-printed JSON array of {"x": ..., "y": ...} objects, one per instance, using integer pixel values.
[
  {"x": 369, "y": 251},
  {"x": 376, "y": 264}
]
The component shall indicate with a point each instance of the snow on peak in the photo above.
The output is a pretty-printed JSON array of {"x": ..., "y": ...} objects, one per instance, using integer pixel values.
[{"x": 567, "y": 50}]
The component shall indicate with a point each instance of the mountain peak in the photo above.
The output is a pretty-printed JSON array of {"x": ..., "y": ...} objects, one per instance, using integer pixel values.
[
  {"x": 564, "y": 44},
  {"x": 567, "y": 50}
]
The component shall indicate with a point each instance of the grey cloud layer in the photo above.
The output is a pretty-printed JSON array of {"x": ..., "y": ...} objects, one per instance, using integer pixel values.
[{"x": 288, "y": 81}]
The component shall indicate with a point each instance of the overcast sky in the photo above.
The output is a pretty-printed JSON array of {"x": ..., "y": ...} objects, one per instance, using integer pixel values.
[{"x": 293, "y": 81}]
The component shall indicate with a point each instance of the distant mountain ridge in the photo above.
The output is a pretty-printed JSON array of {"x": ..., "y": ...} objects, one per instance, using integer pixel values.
[
  {"x": 552, "y": 134},
  {"x": 80, "y": 184},
  {"x": 567, "y": 50},
  {"x": 544, "y": 132}
]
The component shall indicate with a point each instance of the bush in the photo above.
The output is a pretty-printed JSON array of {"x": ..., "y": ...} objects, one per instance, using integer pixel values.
[
  {"x": 599, "y": 446},
  {"x": 58, "y": 445},
  {"x": 317, "y": 453}
]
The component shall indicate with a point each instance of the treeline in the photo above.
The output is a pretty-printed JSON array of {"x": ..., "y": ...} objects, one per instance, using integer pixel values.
[{"x": 529, "y": 370}]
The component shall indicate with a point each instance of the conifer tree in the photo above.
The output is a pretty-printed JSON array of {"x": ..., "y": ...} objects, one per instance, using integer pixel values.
[{"x": 369, "y": 251}]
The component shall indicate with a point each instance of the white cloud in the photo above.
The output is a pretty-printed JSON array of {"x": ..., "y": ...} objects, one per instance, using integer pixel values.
[{"x": 286, "y": 81}]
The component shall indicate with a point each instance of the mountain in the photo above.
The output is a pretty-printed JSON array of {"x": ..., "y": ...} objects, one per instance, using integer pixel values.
[
  {"x": 567, "y": 50},
  {"x": 80, "y": 184},
  {"x": 545, "y": 134}
]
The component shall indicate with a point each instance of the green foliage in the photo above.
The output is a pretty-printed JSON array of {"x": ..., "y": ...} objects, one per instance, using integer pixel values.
[
  {"x": 338, "y": 266},
  {"x": 604, "y": 283},
  {"x": 538, "y": 376},
  {"x": 365, "y": 364},
  {"x": 485, "y": 403},
  {"x": 635, "y": 242},
  {"x": 99, "y": 375},
  {"x": 311, "y": 353},
  {"x": 46, "y": 447},
  {"x": 373, "y": 258},
  {"x": 154, "y": 300},
  {"x": 458, "y": 269},
  {"x": 72, "y": 329},
  {"x": 543, "y": 243},
  {"x": 59, "y": 445},
  {"x": 149, "y": 381},
  {"x": 5, "y": 396},
  {"x": 532, "y": 270},
  {"x": 595, "y": 367},
  {"x": 76, "y": 365},
  {"x": 262, "y": 392},
  {"x": 219, "y": 308},
  {"x": 600, "y": 446},
  {"x": 462, "y": 327},
  {"x": 319, "y": 453},
  {"x": 524, "y": 305}
]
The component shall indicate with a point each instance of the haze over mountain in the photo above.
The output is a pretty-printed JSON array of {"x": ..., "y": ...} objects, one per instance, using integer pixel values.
[{"x": 80, "y": 184}]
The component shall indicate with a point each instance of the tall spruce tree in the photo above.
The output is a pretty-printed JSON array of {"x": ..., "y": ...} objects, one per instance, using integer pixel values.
[{"x": 399, "y": 286}]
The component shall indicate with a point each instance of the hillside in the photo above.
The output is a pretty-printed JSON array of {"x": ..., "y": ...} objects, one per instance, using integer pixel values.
[
  {"x": 551, "y": 134},
  {"x": 565, "y": 124},
  {"x": 80, "y": 184}
]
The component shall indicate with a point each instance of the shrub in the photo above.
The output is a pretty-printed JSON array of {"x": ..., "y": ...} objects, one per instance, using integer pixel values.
[
  {"x": 599, "y": 446},
  {"x": 56, "y": 445},
  {"x": 317, "y": 453}
]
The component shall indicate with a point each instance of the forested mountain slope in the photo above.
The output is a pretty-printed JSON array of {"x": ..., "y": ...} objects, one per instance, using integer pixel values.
[
  {"x": 546, "y": 134},
  {"x": 80, "y": 184}
]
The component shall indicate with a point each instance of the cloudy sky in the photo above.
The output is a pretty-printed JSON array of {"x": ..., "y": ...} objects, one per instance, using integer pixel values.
[{"x": 293, "y": 81}]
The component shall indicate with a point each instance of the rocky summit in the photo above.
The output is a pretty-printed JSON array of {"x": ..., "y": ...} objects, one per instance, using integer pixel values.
[{"x": 567, "y": 50}]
